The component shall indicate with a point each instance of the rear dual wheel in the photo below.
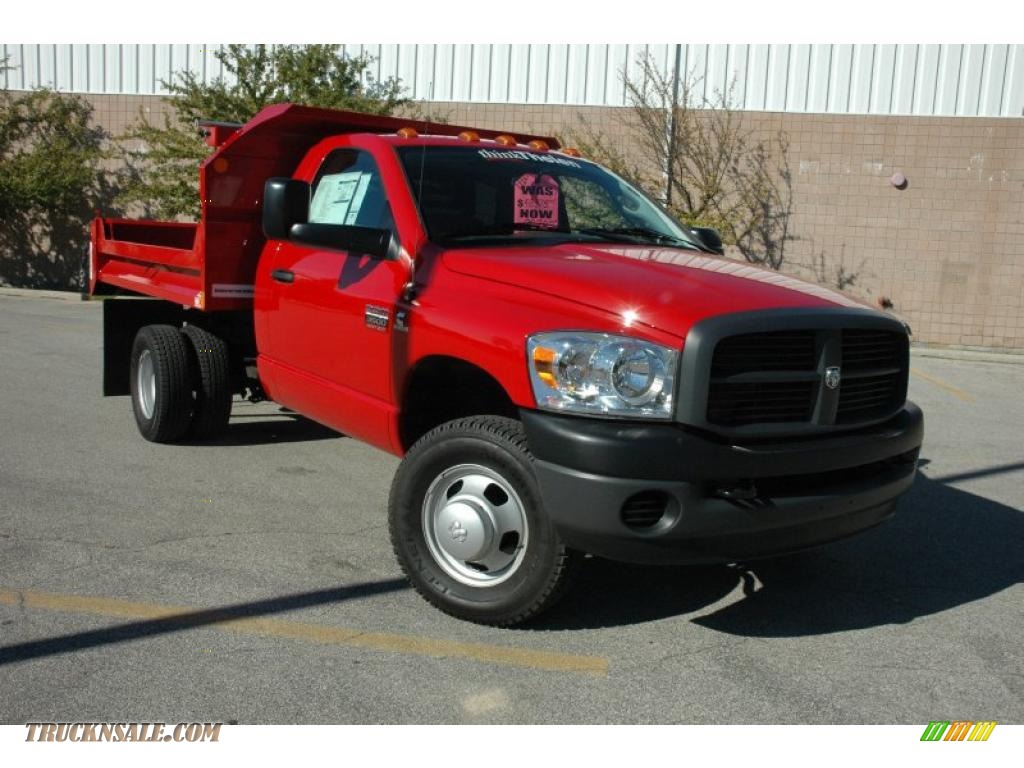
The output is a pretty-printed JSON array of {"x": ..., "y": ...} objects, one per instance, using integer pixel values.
[
  {"x": 180, "y": 383},
  {"x": 211, "y": 405},
  {"x": 161, "y": 383}
]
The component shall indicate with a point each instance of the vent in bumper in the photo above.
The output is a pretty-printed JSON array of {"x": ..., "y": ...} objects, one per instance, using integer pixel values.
[{"x": 644, "y": 509}]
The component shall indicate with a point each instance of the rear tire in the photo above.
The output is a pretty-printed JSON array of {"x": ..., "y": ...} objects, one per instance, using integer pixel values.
[
  {"x": 212, "y": 365},
  {"x": 468, "y": 527},
  {"x": 161, "y": 383}
]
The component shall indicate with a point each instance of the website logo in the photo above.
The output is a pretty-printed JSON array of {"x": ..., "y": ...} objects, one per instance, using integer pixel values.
[{"x": 958, "y": 730}]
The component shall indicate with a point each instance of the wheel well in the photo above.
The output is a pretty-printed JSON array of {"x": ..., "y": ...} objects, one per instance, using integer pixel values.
[{"x": 440, "y": 389}]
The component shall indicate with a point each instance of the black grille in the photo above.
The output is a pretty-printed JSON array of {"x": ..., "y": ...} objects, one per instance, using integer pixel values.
[
  {"x": 874, "y": 374},
  {"x": 777, "y": 377},
  {"x": 771, "y": 351},
  {"x": 864, "y": 349},
  {"x": 733, "y": 405},
  {"x": 733, "y": 402},
  {"x": 868, "y": 397}
]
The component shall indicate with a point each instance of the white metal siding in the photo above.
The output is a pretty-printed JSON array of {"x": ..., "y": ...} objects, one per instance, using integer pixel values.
[{"x": 967, "y": 80}]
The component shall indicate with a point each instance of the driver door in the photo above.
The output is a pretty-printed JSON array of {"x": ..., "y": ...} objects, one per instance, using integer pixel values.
[{"x": 333, "y": 324}]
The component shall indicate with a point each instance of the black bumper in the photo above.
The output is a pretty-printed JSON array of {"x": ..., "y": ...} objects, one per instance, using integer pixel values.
[{"x": 718, "y": 501}]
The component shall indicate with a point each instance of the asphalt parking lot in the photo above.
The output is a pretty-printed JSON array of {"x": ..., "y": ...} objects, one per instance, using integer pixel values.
[{"x": 252, "y": 580}]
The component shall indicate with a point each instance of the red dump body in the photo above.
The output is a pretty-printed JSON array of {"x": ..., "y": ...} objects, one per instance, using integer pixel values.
[{"x": 211, "y": 265}]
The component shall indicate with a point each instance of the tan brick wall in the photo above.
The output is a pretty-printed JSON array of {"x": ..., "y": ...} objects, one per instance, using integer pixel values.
[
  {"x": 948, "y": 251},
  {"x": 116, "y": 113}
]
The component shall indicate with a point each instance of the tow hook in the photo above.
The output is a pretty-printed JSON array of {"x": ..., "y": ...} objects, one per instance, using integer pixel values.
[{"x": 744, "y": 492}]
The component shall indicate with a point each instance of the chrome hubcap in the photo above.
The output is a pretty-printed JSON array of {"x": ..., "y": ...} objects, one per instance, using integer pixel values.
[
  {"x": 146, "y": 383},
  {"x": 474, "y": 525}
]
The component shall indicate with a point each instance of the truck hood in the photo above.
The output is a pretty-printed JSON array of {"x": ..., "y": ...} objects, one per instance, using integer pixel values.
[{"x": 666, "y": 288}]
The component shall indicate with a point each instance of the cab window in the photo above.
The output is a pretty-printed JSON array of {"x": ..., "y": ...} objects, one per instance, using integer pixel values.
[{"x": 348, "y": 190}]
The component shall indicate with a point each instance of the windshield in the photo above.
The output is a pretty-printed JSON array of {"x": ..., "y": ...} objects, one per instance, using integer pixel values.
[{"x": 482, "y": 196}]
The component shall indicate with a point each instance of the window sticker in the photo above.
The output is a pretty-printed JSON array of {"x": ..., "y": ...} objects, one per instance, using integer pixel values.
[
  {"x": 338, "y": 198},
  {"x": 536, "y": 200}
]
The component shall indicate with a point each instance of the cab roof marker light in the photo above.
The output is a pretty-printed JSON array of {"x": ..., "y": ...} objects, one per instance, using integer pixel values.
[
  {"x": 407, "y": 133},
  {"x": 469, "y": 136},
  {"x": 538, "y": 145},
  {"x": 571, "y": 152},
  {"x": 505, "y": 140}
]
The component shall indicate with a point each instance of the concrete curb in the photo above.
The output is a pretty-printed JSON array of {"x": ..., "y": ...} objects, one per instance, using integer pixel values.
[
  {"x": 31, "y": 293},
  {"x": 978, "y": 355}
]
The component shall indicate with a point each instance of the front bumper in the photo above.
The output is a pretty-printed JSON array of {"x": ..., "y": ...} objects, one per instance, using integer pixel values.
[{"x": 721, "y": 501}]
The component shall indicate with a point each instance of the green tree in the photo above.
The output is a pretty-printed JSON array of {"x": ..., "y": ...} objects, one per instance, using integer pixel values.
[
  {"x": 697, "y": 156},
  {"x": 162, "y": 161},
  {"x": 50, "y": 182}
]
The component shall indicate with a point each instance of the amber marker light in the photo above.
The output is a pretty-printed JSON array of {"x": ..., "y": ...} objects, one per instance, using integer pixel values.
[
  {"x": 544, "y": 364},
  {"x": 407, "y": 133},
  {"x": 571, "y": 152},
  {"x": 505, "y": 140},
  {"x": 469, "y": 136},
  {"x": 540, "y": 146}
]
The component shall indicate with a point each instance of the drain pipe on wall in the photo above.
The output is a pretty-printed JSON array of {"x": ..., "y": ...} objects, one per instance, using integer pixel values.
[{"x": 670, "y": 162}]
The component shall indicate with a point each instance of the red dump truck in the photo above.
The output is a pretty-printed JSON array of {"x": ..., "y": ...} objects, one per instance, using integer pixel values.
[{"x": 563, "y": 368}]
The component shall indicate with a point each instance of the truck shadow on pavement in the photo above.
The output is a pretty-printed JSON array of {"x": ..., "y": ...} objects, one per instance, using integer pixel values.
[
  {"x": 944, "y": 548},
  {"x": 266, "y": 429},
  {"x": 180, "y": 622}
]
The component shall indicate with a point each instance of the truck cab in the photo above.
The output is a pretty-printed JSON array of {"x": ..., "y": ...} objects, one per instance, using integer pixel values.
[{"x": 562, "y": 367}]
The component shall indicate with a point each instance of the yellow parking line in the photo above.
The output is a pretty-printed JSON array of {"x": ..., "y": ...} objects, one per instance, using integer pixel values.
[
  {"x": 955, "y": 391},
  {"x": 316, "y": 633}
]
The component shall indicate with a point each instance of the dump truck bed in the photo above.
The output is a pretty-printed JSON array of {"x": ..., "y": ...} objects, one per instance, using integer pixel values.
[
  {"x": 170, "y": 260},
  {"x": 155, "y": 258},
  {"x": 209, "y": 264}
]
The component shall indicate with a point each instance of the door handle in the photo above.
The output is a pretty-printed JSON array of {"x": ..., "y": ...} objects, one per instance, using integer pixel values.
[{"x": 283, "y": 275}]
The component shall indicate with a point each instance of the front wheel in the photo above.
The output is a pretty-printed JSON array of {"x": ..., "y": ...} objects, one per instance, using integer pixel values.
[{"x": 468, "y": 527}]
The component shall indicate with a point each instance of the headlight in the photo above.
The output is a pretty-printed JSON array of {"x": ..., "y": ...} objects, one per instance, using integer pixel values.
[{"x": 602, "y": 374}]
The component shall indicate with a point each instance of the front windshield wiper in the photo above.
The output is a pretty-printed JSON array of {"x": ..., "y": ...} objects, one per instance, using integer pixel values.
[{"x": 632, "y": 233}]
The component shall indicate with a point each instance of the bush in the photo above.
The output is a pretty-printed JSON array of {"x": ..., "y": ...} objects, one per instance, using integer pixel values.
[{"x": 50, "y": 182}]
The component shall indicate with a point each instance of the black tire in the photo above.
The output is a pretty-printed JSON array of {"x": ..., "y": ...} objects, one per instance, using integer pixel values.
[
  {"x": 211, "y": 408},
  {"x": 545, "y": 566},
  {"x": 164, "y": 411}
]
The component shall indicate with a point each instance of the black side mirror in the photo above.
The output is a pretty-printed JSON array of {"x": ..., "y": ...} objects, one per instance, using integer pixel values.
[
  {"x": 340, "y": 237},
  {"x": 709, "y": 238},
  {"x": 285, "y": 204},
  {"x": 286, "y": 217}
]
